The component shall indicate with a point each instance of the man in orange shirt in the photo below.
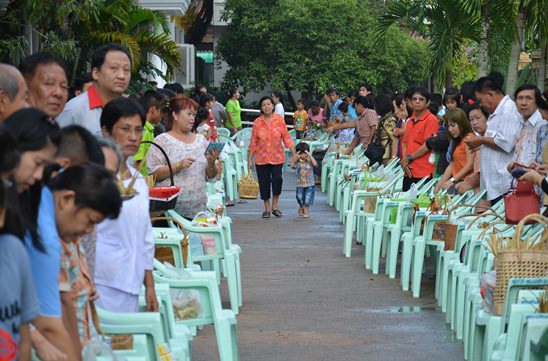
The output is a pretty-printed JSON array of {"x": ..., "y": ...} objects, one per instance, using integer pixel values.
[{"x": 421, "y": 126}]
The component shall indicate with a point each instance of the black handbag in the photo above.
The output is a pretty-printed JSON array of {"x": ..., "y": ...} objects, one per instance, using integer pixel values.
[{"x": 374, "y": 152}]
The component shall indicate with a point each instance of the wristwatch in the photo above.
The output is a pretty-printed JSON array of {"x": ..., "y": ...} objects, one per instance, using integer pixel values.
[{"x": 409, "y": 158}]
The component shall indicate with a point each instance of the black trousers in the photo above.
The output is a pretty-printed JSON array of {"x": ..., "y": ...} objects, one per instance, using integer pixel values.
[{"x": 268, "y": 174}]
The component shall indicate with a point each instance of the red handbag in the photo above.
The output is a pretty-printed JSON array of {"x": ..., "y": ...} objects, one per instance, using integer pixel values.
[{"x": 520, "y": 202}]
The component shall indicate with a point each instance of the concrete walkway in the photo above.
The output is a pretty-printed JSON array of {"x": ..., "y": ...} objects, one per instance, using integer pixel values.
[{"x": 304, "y": 301}]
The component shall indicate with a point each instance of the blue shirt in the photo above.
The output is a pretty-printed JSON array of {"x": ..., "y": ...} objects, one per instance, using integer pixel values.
[
  {"x": 334, "y": 110},
  {"x": 45, "y": 266},
  {"x": 17, "y": 298},
  {"x": 352, "y": 111}
]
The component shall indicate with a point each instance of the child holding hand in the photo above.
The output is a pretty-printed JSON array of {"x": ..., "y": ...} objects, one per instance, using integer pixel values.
[{"x": 304, "y": 163}]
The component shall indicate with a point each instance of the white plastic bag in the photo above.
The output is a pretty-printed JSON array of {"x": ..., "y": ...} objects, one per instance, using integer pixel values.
[
  {"x": 96, "y": 347},
  {"x": 186, "y": 302},
  {"x": 412, "y": 193}
]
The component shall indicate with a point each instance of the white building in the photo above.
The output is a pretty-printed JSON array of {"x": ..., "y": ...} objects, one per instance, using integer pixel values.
[{"x": 186, "y": 74}]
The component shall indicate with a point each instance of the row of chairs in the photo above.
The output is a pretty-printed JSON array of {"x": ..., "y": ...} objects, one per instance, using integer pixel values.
[
  {"x": 396, "y": 226},
  {"x": 203, "y": 273}
]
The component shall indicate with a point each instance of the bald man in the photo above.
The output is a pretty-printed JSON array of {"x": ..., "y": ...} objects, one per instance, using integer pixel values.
[{"x": 13, "y": 91}]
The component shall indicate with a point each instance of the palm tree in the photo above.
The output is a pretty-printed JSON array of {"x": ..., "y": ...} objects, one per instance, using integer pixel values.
[
  {"x": 72, "y": 29},
  {"x": 442, "y": 22},
  {"x": 529, "y": 16}
]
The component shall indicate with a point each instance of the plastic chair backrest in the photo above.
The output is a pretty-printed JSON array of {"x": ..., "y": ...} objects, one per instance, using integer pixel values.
[
  {"x": 145, "y": 323},
  {"x": 223, "y": 132},
  {"x": 208, "y": 309}
]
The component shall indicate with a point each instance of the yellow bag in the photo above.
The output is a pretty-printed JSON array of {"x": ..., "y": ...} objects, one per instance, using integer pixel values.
[{"x": 248, "y": 187}]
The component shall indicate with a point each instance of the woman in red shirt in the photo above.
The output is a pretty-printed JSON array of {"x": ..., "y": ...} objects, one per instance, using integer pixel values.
[{"x": 268, "y": 134}]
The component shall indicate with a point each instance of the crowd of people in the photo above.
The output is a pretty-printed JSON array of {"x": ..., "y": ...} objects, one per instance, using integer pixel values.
[
  {"x": 75, "y": 227},
  {"x": 474, "y": 137}
]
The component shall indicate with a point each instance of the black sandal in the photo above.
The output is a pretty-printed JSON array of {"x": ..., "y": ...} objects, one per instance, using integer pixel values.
[
  {"x": 266, "y": 215},
  {"x": 277, "y": 213}
]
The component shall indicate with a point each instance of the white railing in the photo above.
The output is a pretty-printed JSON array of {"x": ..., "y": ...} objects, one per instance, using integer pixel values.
[{"x": 257, "y": 112}]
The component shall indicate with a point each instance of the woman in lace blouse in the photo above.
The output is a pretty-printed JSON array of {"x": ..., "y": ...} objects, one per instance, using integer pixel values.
[{"x": 186, "y": 152}]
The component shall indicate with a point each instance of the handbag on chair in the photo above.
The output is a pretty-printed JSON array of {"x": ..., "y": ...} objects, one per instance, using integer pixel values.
[{"x": 520, "y": 202}]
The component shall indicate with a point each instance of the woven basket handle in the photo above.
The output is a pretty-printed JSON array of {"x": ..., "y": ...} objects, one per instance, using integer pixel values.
[
  {"x": 519, "y": 230},
  {"x": 184, "y": 241},
  {"x": 167, "y": 159},
  {"x": 483, "y": 215}
]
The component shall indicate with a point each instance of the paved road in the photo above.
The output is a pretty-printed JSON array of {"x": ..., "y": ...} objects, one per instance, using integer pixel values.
[{"x": 304, "y": 301}]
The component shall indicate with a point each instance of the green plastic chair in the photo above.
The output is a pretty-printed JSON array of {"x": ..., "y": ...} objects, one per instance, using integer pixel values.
[
  {"x": 366, "y": 225},
  {"x": 420, "y": 244},
  {"x": 224, "y": 321},
  {"x": 386, "y": 239},
  {"x": 343, "y": 197},
  {"x": 507, "y": 344},
  {"x": 230, "y": 177},
  {"x": 148, "y": 324},
  {"x": 492, "y": 326},
  {"x": 226, "y": 254},
  {"x": 445, "y": 285},
  {"x": 533, "y": 345},
  {"x": 327, "y": 167},
  {"x": 178, "y": 336},
  {"x": 223, "y": 132},
  {"x": 356, "y": 212}
]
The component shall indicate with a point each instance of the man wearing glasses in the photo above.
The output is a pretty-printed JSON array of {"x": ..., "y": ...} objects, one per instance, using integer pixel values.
[{"x": 421, "y": 126}]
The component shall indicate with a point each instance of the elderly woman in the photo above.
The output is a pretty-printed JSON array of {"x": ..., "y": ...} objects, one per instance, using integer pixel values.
[
  {"x": 191, "y": 166},
  {"x": 268, "y": 134},
  {"x": 125, "y": 247}
]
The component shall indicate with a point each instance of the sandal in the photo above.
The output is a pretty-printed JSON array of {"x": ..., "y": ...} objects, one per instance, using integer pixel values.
[
  {"x": 266, "y": 215},
  {"x": 277, "y": 213}
]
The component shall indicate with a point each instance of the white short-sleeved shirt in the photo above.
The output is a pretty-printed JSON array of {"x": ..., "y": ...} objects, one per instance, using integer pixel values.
[
  {"x": 279, "y": 109},
  {"x": 504, "y": 126},
  {"x": 84, "y": 110},
  {"x": 125, "y": 247}
]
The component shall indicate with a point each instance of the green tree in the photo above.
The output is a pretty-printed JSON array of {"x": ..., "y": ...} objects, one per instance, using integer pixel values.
[
  {"x": 72, "y": 29},
  {"x": 312, "y": 45},
  {"x": 441, "y": 22}
]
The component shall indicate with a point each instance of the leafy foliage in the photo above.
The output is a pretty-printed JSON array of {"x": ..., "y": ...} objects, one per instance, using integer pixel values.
[
  {"x": 312, "y": 45},
  {"x": 74, "y": 28}
]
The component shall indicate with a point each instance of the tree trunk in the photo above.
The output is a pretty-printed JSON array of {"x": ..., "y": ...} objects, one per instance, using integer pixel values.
[
  {"x": 483, "y": 52},
  {"x": 448, "y": 78},
  {"x": 311, "y": 92},
  {"x": 541, "y": 79},
  {"x": 290, "y": 98},
  {"x": 512, "y": 80}
]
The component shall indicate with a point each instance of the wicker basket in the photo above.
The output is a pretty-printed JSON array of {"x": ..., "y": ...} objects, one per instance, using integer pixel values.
[
  {"x": 248, "y": 187},
  {"x": 165, "y": 254},
  {"x": 169, "y": 198},
  {"x": 518, "y": 262}
]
